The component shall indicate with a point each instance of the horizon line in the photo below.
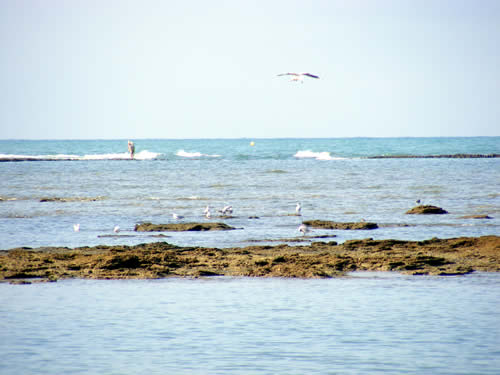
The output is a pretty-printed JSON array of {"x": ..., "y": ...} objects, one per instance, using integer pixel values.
[{"x": 243, "y": 138}]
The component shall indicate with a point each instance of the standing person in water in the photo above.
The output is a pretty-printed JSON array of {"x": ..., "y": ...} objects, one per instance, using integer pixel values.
[{"x": 131, "y": 149}]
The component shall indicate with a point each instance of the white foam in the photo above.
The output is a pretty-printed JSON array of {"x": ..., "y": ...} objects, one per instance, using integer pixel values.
[
  {"x": 146, "y": 155},
  {"x": 325, "y": 155},
  {"x": 186, "y": 154},
  {"x": 143, "y": 155}
]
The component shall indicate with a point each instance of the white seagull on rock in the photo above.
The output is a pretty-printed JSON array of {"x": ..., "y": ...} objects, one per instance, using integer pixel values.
[{"x": 299, "y": 77}]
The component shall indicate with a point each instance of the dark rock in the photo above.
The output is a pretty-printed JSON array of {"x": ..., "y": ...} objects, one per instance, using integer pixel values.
[
  {"x": 426, "y": 210},
  {"x": 123, "y": 261},
  {"x": 20, "y": 282},
  {"x": 325, "y": 224},
  {"x": 207, "y": 273},
  {"x": 476, "y": 217},
  {"x": 446, "y": 156},
  {"x": 71, "y": 199},
  {"x": 181, "y": 227}
]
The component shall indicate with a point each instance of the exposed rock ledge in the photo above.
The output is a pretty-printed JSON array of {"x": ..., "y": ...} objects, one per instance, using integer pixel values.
[
  {"x": 72, "y": 199},
  {"x": 475, "y": 217},
  {"x": 325, "y": 224},
  {"x": 453, "y": 256},
  {"x": 426, "y": 210},
  {"x": 181, "y": 227}
]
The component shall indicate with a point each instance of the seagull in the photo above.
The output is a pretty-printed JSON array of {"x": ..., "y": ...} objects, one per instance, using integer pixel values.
[
  {"x": 206, "y": 211},
  {"x": 298, "y": 208},
  {"x": 304, "y": 229},
  {"x": 116, "y": 229},
  {"x": 177, "y": 217},
  {"x": 299, "y": 76},
  {"x": 76, "y": 227},
  {"x": 227, "y": 210}
]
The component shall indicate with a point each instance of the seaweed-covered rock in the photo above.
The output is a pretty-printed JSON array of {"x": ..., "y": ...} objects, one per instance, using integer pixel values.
[
  {"x": 181, "y": 227},
  {"x": 325, "y": 224},
  {"x": 476, "y": 217},
  {"x": 452, "y": 256},
  {"x": 426, "y": 210},
  {"x": 123, "y": 261}
]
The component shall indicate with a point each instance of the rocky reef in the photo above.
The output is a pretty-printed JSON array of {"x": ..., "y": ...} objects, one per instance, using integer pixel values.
[
  {"x": 326, "y": 224},
  {"x": 444, "y": 156},
  {"x": 181, "y": 227},
  {"x": 426, "y": 210},
  {"x": 476, "y": 217},
  {"x": 455, "y": 256}
]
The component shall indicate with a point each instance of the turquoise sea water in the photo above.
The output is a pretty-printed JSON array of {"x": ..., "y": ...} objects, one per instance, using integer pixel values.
[
  {"x": 369, "y": 323},
  {"x": 363, "y": 324},
  {"x": 332, "y": 179}
]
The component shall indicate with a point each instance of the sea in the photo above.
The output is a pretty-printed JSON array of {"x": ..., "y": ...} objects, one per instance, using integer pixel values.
[
  {"x": 49, "y": 186},
  {"x": 364, "y": 323}
]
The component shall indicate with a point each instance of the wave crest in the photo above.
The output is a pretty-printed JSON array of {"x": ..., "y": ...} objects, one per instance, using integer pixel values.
[
  {"x": 143, "y": 155},
  {"x": 325, "y": 155},
  {"x": 186, "y": 154}
]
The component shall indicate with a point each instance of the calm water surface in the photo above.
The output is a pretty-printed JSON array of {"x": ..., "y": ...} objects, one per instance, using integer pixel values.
[{"x": 368, "y": 323}]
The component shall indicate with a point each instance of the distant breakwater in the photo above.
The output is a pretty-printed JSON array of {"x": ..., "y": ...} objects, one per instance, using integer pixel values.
[{"x": 452, "y": 156}]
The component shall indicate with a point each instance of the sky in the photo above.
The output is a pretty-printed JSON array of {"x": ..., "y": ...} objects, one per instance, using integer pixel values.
[{"x": 120, "y": 69}]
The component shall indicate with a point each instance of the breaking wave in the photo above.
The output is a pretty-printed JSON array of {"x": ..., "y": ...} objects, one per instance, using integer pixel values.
[
  {"x": 143, "y": 155},
  {"x": 186, "y": 154},
  {"x": 325, "y": 155}
]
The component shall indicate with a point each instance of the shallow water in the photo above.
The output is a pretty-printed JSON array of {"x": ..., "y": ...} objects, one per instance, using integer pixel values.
[
  {"x": 367, "y": 323},
  {"x": 331, "y": 178}
]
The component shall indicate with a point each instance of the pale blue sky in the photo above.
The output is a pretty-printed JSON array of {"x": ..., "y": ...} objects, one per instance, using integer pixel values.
[{"x": 78, "y": 69}]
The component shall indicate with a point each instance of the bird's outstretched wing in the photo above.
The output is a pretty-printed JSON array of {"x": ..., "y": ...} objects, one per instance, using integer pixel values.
[
  {"x": 310, "y": 75},
  {"x": 299, "y": 75}
]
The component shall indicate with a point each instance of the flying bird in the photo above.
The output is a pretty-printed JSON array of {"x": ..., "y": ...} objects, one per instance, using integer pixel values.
[
  {"x": 296, "y": 77},
  {"x": 76, "y": 227},
  {"x": 116, "y": 229}
]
